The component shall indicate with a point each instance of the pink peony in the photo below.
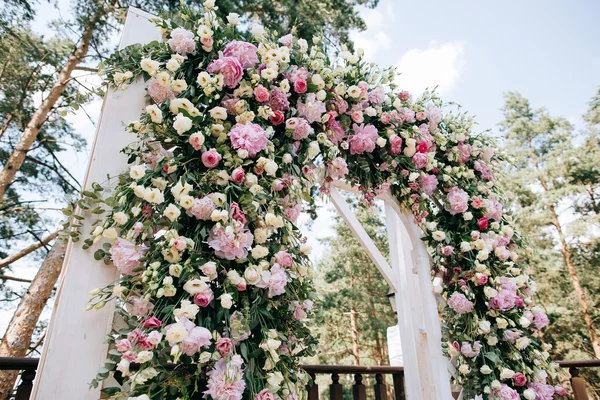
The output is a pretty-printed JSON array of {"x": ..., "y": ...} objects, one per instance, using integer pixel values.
[
  {"x": 457, "y": 201},
  {"x": 126, "y": 256},
  {"x": 158, "y": 92},
  {"x": 261, "y": 94},
  {"x": 292, "y": 213},
  {"x": 460, "y": 304},
  {"x": 298, "y": 310},
  {"x": 542, "y": 390},
  {"x": 211, "y": 158},
  {"x": 264, "y": 394},
  {"x": 540, "y": 320},
  {"x": 428, "y": 183},
  {"x": 503, "y": 301},
  {"x": 224, "y": 346},
  {"x": 230, "y": 242},
  {"x": 202, "y": 208},
  {"x": 279, "y": 100},
  {"x": 182, "y": 41},
  {"x": 377, "y": 95},
  {"x": 312, "y": 109},
  {"x": 198, "y": 337},
  {"x": 248, "y": 136},
  {"x": 226, "y": 380},
  {"x": 396, "y": 144},
  {"x": 245, "y": 52},
  {"x": 284, "y": 258},
  {"x": 138, "y": 306},
  {"x": 363, "y": 140},
  {"x": 420, "y": 160},
  {"x": 230, "y": 68},
  {"x": 275, "y": 280},
  {"x": 434, "y": 115},
  {"x": 505, "y": 392},
  {"x": 494, "y": 209},
  {"x": 301, "y": 128},
  {"x": 464, "y": 152},
  {"x": 338, "y": 168}
]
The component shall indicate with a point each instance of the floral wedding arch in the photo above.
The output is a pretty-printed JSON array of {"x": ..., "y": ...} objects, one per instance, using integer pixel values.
[{"x": 213, "y": 278}]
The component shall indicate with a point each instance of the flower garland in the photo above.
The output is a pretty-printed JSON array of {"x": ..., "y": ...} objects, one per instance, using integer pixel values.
[{"x": 241, "y": 130}]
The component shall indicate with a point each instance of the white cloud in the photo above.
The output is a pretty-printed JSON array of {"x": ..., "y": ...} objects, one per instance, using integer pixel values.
[
  {"x": 373, "y": 39},
  {"x": 439, "y": 64}
]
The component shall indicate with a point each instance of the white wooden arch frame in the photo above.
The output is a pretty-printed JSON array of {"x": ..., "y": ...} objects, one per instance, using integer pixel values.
[{"x": 75, "y": 345}]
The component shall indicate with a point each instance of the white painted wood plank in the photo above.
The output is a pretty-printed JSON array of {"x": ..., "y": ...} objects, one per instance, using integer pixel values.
[
  {"x": 74, "y": 348},
  {"x": 355, "y": 226}
]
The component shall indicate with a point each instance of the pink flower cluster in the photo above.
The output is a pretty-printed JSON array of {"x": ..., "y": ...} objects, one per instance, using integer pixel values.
[
  {"x": 202, "y": 208},
  {"x": 460, "y": 304},
  {"x": 504, "y": 392},
  {"x": 364, "y": 138},
  {"x": 230, "y": 242},
  {"x": 138, "y": 306},
  {"x": 245, "y": 53},
  {"x": 300, "y": 127},
  {"x": 338, "y": 168},
  {"x": 311, "y": 109},
  {"x": 158, "y": 92},
  {"x": 275, "y": 280},
  {"x": 249, "y": 136},
  {"x": 126, "y": 256},
  {"x": 457, "y": 201},
  {"x": 182, "y": 41},
  {"x": 226, "y": 379}
]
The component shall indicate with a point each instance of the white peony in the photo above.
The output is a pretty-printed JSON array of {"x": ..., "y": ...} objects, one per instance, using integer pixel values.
[{"x": 182, "y": 123}]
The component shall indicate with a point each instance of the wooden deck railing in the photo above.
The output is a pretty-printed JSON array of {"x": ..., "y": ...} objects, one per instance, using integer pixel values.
[{"x": 28, "y": 367}]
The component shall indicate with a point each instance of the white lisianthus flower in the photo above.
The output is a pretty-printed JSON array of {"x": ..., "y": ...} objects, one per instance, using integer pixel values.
[
  {"x": 226, "y": 301},
  {"x": 305, "y": 249},
  {"x": 287, "y": 158},
  {"x": 522, "y": 343},
  {"x": 490, "y": 292},
  {"x": 172, "y": 212},
  {"x": 438, "y": 235},
  {"x": 452, "y": 351},
  {"x": 175, "y": 270},
  {"x": 303, "y": 44},
  {"x": 540, "y": 375},
  {"x": 485, "y": 327},
  {"x": 195, "y": 286},
  {"x": 233, "y": 19},
  {"x": 492, "y": 340},
  {"x": 186, "y": 201},
  {"x": 203, "y": 79},
  {"x": 154, "y": 196},
  {"x": 524, "y": 322},
  {"x": 155, "y": 113},
  {"x": 144, "y": 356},
  {"x": 502, "y": 323},
  {"x": 173, "y": 65},
  {"x": 274, "y": 380},
  {"x": 187, "y": 309},
  {"x": 120, "y": 218},
  {"x": 182, "y": 123},
  {"x": 179, "y": 85},
  {"x": 496, "y": 384},
  {"x": 464, "y": 369},
  {"x": 219, "y": 113},
  {"x": 177, "y": 333},
  {"x": 506, "y": 374},
  {"x": 137, "y": 172},
  {"x": 271, "y": 168},
  {"x": 529, "y": 394},
  {"x": 257, "y": 31},
  {"x": 208, "y": 4},
  {"x": 110, "y": 233},
  {"x": 150, "y": 66},
  {"x": 486, "y": 370},
  {"x": 353, "y": 91}
]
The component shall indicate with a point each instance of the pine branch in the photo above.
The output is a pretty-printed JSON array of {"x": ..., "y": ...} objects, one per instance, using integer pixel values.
[{"x": 29, "y": 249}]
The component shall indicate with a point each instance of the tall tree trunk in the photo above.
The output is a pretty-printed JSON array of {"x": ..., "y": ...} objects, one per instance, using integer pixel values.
[
  {"x": 39, "y": 116},
  {"x": 568, "y": 257},
  {"x": 7, "y": 122},
  {"x": 17, "y": 338},
  {"x": 354, "y": 336}
]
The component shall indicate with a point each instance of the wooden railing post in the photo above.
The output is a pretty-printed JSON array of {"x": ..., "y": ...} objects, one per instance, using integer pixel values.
[
  {"x": 399, "y": 386},
  {"x": 336, "y": 391},
  {"x": 380, "y": 388},
  {"x": 24, "y": 389},
  {"x": 359, "y": 390},
  {"x": 578, "y": 384},
  {"x": 312, "y": 388}
]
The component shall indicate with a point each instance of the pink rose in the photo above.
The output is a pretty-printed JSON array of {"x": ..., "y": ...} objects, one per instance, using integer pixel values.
[
  {"x": 396, "y": 143},
  {"x": 286, "y": 40},
  {"x": 404, "y": 95},
  {"x": 261, "y": 94},
  {"x": 420, "y": 116},
  {"x": 460, "y": 304},
  {"x": 482, "y": 224},
  {"x": 277, "y": 185},
  {"x": 481, "y": 279},
  {"x": 203, "y": 299},
  {"x": 476, "y": 203},
  {"x": 202, "y": 208},
  {"x": 300, "y": 86},
  {"x": 196, "y": 141},
  {"x": 207, "y": 42},
  {"x": 278, "y": 118},
  {"x": 224, "y": 346},
  {"x": 357, "y": 116},
  {"x": 238, "y": 175},
  {"x": 152, "y": 323},
  {"x": 503, "y": 301},
  {"x": 504, "y": 392},
  {"x": 520, "y": 379},
  {"x": 123, "y": 345},
  {"x": 241, "y": 286},
  {"x": 211, "y": 158},
  {"x": 385, "y": 118},
  {"x": 283, "y": 258},
  {"x": 560, "y": 391},
  {"x": 230, "y": 68}
]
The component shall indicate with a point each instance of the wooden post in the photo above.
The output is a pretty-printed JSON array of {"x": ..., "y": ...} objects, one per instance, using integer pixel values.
[
  {"x": 336, "y": 390},
  {"x": 380, "y": 388},
  {"x": 74, "y": 349},
  {"x": 578, "y": 384},
  {"x": 359, "y": 390},
  {"x": 312, "y": 388},
  {"x": 399, "y": 386},
  {"x": 24, "y": 389}
]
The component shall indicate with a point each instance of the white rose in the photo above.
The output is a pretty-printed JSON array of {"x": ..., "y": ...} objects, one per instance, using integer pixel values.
[
  {"x": 233, "y": 18},
  {"x": 252, "y": 276},
  {"x": 271, "y": 168},
  {"x": 150, "y": 66},
  {"x": 465, "y": 246},
  {"x": 468, "y": 216},
  {"x": 137, "y": 172},
  {"x": 438, "y": 235},
  {"x": 287, "y": 158},
  {"x": 540, "y": 375},
  {"x": 260, "y": 235},
  {"x": 143, "y": 356},
  {"x": 502, "y": 323},
  {"x": 485, "y": 326},
  {"x": 259, "y": 252},
  {"x": 492, "y": 340},
  {"x": 177, "y": 333},
  {"x": 182, "y": 123},
  {"x": 155, "y": 113},
  {"x": 210, "y": 270},
  {"x": 490, "y": 292},
  {"x": 305, "y": 249},
  {"x": 257, "y": 31},
  {"x": 120, "y": 218},
  {"x": 381, "y": 142},
  {"x": 195, "y": 286},
  {"x": 274, "y": 380},
  {"x": 506, "y": 374},
  {"x": 172, "y": 65},
  {"x": 321, "y": 95},
  {"x": 172, "y": 212},
  {"x": 529, "y": 394},
  {"x": 110, "y": 233},
  {"x": 226, "y": 301},
  {"x": 486, "y": 370},
  {"x": 524, "y": 322}
]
